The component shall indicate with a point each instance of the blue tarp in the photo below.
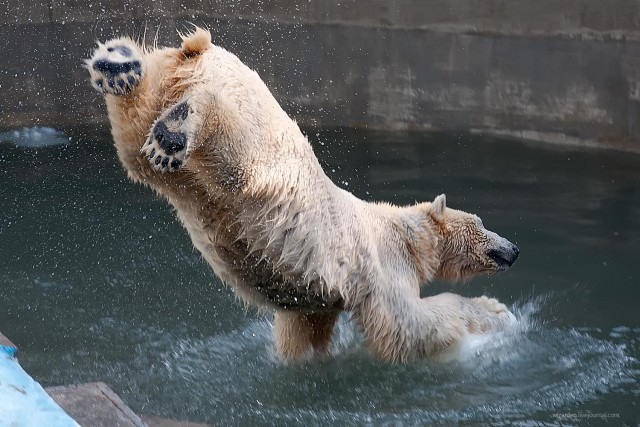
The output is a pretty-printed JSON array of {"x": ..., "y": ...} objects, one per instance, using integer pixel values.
[{"x": 23, "y": 402}]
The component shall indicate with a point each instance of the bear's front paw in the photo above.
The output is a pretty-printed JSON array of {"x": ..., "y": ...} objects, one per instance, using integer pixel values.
[
  {"x": 492, "y": 305},
  {"x": 116, "y": 67},
  {"x": 168, "y": 145},
  {"x": 491, "y": 314}
]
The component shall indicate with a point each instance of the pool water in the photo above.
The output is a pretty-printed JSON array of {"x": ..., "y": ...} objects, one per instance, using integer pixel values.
[{"x": 99, "y": 282}]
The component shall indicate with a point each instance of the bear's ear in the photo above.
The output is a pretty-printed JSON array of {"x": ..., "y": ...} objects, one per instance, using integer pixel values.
[{"x": 438, "y": 206}]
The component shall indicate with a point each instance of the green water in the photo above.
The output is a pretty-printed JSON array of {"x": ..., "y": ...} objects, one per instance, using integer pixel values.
[{"x": 98, "y": 282}]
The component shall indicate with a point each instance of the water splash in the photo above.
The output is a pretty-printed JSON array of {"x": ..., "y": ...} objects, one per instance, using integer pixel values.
[
  {"x": 513, "y": 375},
  {"x": 523, "y": 375}
]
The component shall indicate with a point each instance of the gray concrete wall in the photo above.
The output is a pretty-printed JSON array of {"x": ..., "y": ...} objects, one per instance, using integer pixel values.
[{"x": 556, "y": 70}]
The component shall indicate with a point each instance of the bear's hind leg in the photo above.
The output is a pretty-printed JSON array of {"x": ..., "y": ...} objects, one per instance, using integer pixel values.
[
  {"x": 297, "y": 333},
  {"x": 116, "y": 67}
]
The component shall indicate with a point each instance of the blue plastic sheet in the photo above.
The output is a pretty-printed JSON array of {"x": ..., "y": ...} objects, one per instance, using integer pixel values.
[{"x": 23, "y": 402}]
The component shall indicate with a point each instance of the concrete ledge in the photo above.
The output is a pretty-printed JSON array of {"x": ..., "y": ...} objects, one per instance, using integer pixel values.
[{"x": 95, "y": 405}]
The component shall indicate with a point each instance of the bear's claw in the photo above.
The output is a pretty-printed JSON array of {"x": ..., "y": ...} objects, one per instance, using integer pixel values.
[
  {"x": 116, "y": 67},
  {"x": 492, "y": 305},
  {"x": 498, "y": 316},
  {"x": 167, "y": 146}
]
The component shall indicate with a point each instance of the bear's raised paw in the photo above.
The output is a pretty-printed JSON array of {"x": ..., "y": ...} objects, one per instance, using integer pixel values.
[
  {"x": 168, "y": 145},
  {"x": 116, "y": 67}
]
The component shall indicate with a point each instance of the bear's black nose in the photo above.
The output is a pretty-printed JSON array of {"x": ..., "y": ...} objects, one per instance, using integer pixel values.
[
  {"x": 516, "y": 250},
  {"x": 504, "y": 256}
]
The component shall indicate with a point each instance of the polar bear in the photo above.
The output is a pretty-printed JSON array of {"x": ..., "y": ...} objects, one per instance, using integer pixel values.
[{"x": 202, "y": 129}]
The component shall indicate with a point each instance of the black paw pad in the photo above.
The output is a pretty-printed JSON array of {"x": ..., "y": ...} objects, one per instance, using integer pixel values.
[
  {"x": 169, "y": 142},
  {"x": 167, "y": 146},
  {"x": 179, "y": 112},
  {"x": 109, "y": 68},
  {"x": 116, "y": 70}
]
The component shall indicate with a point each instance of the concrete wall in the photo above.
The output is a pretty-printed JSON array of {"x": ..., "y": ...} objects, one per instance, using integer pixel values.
[{"x": 557, "y": 70}]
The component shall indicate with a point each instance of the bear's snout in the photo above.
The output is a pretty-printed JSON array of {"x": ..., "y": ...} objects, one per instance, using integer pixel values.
[
  {"x": 504, "y": 256},
  {"x": 501, "y": 251}
]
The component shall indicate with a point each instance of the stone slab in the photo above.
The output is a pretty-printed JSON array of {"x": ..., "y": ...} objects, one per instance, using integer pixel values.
[{"x": 95, "y": 405}]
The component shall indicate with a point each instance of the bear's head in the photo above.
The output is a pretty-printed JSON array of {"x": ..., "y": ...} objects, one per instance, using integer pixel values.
[{"x": 465, "y": 247}]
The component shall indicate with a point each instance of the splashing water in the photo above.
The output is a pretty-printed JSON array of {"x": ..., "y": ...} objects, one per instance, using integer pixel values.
[{"x": 236, "y": 377}]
